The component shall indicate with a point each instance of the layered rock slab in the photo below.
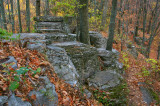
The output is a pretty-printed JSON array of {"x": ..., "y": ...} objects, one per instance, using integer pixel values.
[
  {"x": 62, "y": 64},
  {"x": 105, "y": 79},
  {"x": 84, "y": 58}
]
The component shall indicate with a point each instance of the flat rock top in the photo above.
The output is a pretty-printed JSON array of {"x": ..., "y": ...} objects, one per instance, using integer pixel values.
[
  {"x": 77, "y": 48},
  {"x": 30, "y": 36},
  {"x": 48, "y": 19}
]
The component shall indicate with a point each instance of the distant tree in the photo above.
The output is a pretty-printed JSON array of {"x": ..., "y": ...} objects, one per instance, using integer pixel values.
[
  {"x": 112, "y": 25},
  {"x": 83, "y": 27},
  {"x": 28, "y": 15},
  {"x": 154, "y": 28},
  {"x": 12, "y": 16},
  {"x": 38, "y": 7},
  {"x": 144, "y": 18},
  {"x": 9, "y": 10},
  {"x": 138, "y": 18},
  {"x": 3, "y": 14},
  {"x": 158, "y": 51},
  {"x": 46, "y": 7},
  {"x": 104, "y": 15},
  {"x": 19, "y": 16}
]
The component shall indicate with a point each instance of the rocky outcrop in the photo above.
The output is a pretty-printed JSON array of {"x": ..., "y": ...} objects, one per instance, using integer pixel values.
[
  {"x": 32, "y": 41},
  {"x": 3, "y": 100},
  {"x": 63, "y": 65},
  {"x": 84, "y": 58},
  {"x": 110, "y": 59},
  {"x": 97, "y": 40},
  {"x": 16, "y": 101},
  {"x": 47, "y": 95},
  {"x": 59, "y": 37},
  {"x": 105, "y": 79}
]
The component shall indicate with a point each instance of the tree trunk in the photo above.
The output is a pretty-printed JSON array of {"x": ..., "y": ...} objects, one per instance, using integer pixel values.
[
  {"x": 0, "y": 20},
  {"x": 112, "y": 25},
  {"x": 46, "y": 7},
  {"x": 104, "y": 15},
  {"x": 137, "y": 22},
  {"x": 158, "y": 51},
  {"x": 153, "y": 29},
  {"x": 120, "y": 14},
  {"x": 28, "y": 15},
  {"x": 9, "y": 11},
  {"x": 12, "y": 16},
  {"x": 144, "y": 19},
  {"x": 84, "y": 30},
  {"x": 3, "y": 14},
  {"x": 19, "y": 16},
  {"x": 38, "y": 7}
]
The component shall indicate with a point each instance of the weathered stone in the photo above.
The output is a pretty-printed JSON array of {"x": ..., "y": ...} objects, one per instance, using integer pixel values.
[
  {"x": 33, "y": 41},
  {"x": 87, "y": 93},
  {"x": 63, "y": 66},
  {"x": 48, "y": 19},
  {"x": 11, "y": 59},
  {"x": 105, "y": 79},
  {"x": 133, "y": 51},
  {"x": 47, "y": 95},
  {"x": 16, "y": 101},
  {"x": 97, "y": 40},
  {"x": 145, "y": 93},
  {"x": 59, "y": 37},
  {"x": 84, "y": 58},
  {"x": 3, "y": 100},
  {"x": 106, "y": 54}
]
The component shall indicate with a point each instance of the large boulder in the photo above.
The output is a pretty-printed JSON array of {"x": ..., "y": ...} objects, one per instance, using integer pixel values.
[
  {"x": 110, "y": 59},
  {"x": 16, "y": 101},
  {"x": 32, "y": 41},
  {"x": 84, "y": 58},
  {"x": 47, "y": 95},
  {"x": 62, "y": 63},
  {"x": 97, "y": 40},
  {"x": 3, "y": 100},
  {"x": 59, "y": 37},
  {"x": 105, "y": 79}
]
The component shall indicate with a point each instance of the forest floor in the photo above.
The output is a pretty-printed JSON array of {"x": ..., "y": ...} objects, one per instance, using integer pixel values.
[{"x": 133, "y": 74}]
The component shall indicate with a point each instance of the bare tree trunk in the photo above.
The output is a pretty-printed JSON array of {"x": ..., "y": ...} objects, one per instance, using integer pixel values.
[
  {"x": 9, "y": 11},
  {"x": 28, "y": 15},
  {"x": 137, "y": 22},
  {"x": 19, "y": 16},
  {"x": 3, "y": 14},
  {"x": 12, "y": 16},
  {"x": 144, "y": 19},
  {"x": 84, "y": 29},
  {"x": 121, "y": 14},
  {"x": 104, "y": 15},
  {"x": 112, "y": 25},
  {"x": 158, "y": 51},
  {"x": 46, "y": 7},
  {"x": 153, "y": 29},
  {"x": 38, "y": 7}
]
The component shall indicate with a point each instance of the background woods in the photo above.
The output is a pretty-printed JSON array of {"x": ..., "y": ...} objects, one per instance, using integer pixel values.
[{"x": 117, "y": 37}]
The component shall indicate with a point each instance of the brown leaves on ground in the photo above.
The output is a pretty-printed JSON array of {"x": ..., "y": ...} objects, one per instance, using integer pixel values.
[{"x": 67, "y": 95}]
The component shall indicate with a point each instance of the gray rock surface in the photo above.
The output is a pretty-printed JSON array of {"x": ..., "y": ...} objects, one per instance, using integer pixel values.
[
  {"x": 3, "y": 100},
  {"x": 105, "y": 79},
  {"x": 47, "y": 95},
  {"x": 62, "y": 63},
  {"x": 110, "y": 59},
  {"x": 48, "y": 19},
  {"x": 84, "y": 58},
  {"x": 33, "y": 41},
  {"x": 11, "y": 59},
  {"x": 59, "y": 37},
  {"x": 97, "y": 40},
  {"x": 16, "y": 101},
  {"x": 145, "y": 93}
]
